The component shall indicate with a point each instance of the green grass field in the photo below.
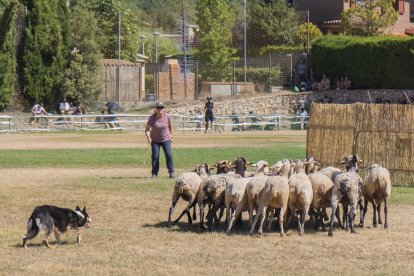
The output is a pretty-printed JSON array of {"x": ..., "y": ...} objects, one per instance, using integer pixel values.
[{"x": 129, "y": 212}]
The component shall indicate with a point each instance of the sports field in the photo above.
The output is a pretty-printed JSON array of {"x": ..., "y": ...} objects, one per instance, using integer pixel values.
[{"x": 109, "y": 173}]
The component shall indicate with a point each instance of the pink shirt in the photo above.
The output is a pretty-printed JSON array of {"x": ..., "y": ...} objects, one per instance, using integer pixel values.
[{"x": 160, "y": 131}]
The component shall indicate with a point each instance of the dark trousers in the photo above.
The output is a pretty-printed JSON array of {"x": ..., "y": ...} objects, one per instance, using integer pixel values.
[{"x": 166, "y": 147}]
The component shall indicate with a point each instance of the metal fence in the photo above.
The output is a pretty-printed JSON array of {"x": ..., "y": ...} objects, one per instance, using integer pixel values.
[{"x": 137, "y": 122}]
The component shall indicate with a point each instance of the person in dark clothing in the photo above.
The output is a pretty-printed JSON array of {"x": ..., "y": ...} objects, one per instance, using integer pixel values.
[{"x": 208, "y": 109}]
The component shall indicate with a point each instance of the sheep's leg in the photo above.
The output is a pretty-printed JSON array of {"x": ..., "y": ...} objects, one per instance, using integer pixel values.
[
  {"x": 374, "y": 220},
  {"x": 386, "y": 213},
  {"x": 258, "y": 215},
  {"x": 303, "y": 218},
  {"x": 338, "y": 217},
  {"x": 234, "y": 217},
  {"x": 290, "y": 214},
  {"x": 281, "y": 215},
  {"x": 352, "y": 215},
  {"x": 230, "y": 217},
  {"x": 210, "y": 217},
  {"x": 221, "y": 214},
  {"x": 194, "y": 212},
  {"x": 361, "y": 212},
  {"x": 379, "y": 213},
  {"x": 270, "y": 218},
  {"x": 186, "y": 211},
  {"x": 334, "y": 205},
  {"x": 201, "y": 225},
  {"x": 362, "y": 221},
  {"x": 262, "y": 218},
  {"x": 325, "y": 215},
  {"x": 174, "y": 202},
  {"x": 346, "y": 217}
]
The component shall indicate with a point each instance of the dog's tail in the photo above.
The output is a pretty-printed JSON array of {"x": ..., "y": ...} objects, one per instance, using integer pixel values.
[{"x": 32, "y": 227}]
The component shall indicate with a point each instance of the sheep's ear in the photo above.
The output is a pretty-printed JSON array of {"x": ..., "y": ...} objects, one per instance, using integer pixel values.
[
  {"x": 249, "y": 163},
  {"x": 197, "y": 169},
  {"x": 244, "y": 159},
  {"x": 77, "y": 208},
  {"x": 342, "y": 162}
]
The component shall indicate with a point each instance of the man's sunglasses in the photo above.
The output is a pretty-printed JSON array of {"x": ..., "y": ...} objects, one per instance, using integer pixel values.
[{"x": 160, "y": 107}]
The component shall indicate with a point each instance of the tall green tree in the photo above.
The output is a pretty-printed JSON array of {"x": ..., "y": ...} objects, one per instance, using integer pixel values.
[
  {"x": 271, "y": 23},
  {"x": 215, "y": 19},
  {"x": 7, "y": 51},
  {"x": 107, "y": 13},
  {"x": 369, "y": 18},
  {"x": 46, "y": 54},
  {"x": 83, "y": 77}
]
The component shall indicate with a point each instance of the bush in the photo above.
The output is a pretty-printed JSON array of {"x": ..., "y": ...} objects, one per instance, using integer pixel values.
[
  {"x": 260, "y": 77},
  {"x": 372, "y": 62}
]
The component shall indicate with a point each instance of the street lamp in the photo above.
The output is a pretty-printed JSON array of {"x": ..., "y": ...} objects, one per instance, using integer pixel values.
[
  {"x": 156, "y": 35},
  {"x": 142, "y": 37}
]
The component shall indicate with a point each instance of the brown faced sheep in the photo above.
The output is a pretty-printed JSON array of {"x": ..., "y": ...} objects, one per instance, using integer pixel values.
[
  {"x": 275, "y": 194},
  {"x": 377, "y": 188},
  {"x": 347, "y": 189},
  {"x": 236, "y": 195},
  {"x": 311, "y": 165},
  {"x": 300, "y": 194},
  {"x": 187, "y": 186}
]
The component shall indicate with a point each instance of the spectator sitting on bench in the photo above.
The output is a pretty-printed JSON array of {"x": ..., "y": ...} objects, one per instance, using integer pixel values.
[
  {"x": 325, "y": 83},
  {"x": 254, "y": 122},
  {"x": 38, "y": 110}
]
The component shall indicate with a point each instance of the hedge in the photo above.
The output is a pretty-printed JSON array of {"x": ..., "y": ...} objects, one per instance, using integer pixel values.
[{"x": 371, "y": 62}]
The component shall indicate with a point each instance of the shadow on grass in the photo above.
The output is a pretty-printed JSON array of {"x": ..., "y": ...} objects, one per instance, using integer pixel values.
[{"x": 38, "y": 245}]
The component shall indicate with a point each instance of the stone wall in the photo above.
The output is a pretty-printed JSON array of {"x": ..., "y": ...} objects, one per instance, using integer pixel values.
[
  {"x": 283, "y": 103},
  {"x": 287, "y": 102}
]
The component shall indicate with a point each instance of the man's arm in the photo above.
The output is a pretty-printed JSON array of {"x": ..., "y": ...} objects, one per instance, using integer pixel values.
[{"x": 148, "y": 132}]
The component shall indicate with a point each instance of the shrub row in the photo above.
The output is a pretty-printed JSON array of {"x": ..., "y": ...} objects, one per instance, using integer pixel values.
[{"x": 371, "y": 62}]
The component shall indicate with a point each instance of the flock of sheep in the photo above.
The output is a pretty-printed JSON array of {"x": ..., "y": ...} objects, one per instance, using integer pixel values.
[{"x": 289, "y": 189}]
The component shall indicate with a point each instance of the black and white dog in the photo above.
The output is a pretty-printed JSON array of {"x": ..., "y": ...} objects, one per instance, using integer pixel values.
[{"x": 50, "y": 219}]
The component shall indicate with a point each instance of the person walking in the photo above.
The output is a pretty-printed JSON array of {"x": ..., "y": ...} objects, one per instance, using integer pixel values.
[
  {"x": 208, "y": 109},
  {"x": 159, "y": 134}
]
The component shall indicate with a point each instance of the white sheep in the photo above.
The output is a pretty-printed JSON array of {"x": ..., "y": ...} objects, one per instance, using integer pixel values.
[
  {"x": 322, "y": 187},
  {"x": 377, "y": 189},
  {"x": 236, "y": 195},
  {"x": 254, "y": 189},
  {"x": 187, "y": 186},
  {"x": 300, "y": 194},
  {"x": 275, "y": 194},
  {"x": 347, "y": 188},
  {"x": 212, "y": 191}
]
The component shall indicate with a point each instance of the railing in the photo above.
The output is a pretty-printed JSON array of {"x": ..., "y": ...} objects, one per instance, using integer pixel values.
[{"x": 119, "y": 122}]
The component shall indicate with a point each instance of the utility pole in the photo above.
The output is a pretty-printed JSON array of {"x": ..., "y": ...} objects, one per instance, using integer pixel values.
[
  {"x": 119, "y": 59},
  {"x": 245, "y": 42},
  {"x": 184, "y": 50}
]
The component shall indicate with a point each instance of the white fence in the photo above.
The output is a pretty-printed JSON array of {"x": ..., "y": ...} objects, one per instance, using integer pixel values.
[{"x": 118, "y": 122}]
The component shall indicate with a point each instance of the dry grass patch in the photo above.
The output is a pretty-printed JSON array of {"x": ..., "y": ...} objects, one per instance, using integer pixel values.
[{"x": 128, "y": 234}]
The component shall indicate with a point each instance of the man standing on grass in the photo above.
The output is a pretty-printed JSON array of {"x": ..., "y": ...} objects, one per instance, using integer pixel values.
[{"x": 208, "y": 109}]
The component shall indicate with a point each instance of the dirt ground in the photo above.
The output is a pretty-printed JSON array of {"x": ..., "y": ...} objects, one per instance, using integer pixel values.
[
  {"x": 129, "y": 212},
  {"x": 138, "y": 139}
]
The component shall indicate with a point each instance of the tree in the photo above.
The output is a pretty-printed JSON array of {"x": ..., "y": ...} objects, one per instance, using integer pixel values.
[
  {"x": 215, "y": 19},
  {"x": 302, "y": 33},
  {"x": 7, "y": 52},
  {"x": 83, "y": 77},
  {"x": 369, "y": 18},
  {"x": 106, "y": 12},
  {"x": 46, "y": 54},
  {"x": 271, "y": 23}
]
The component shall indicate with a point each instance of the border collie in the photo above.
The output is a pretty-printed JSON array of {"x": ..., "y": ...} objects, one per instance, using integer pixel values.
[{"x": 50, "y": 219}]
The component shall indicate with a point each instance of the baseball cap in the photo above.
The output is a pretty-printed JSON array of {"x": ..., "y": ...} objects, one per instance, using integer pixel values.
[{"x": 159, "y": 104}]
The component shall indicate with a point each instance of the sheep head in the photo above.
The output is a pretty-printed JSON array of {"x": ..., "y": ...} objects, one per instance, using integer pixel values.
[
  {"x": 351, "y": 161},
  {"x": 240, "y": 164},
  {"x": 202, "y": 169}
]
